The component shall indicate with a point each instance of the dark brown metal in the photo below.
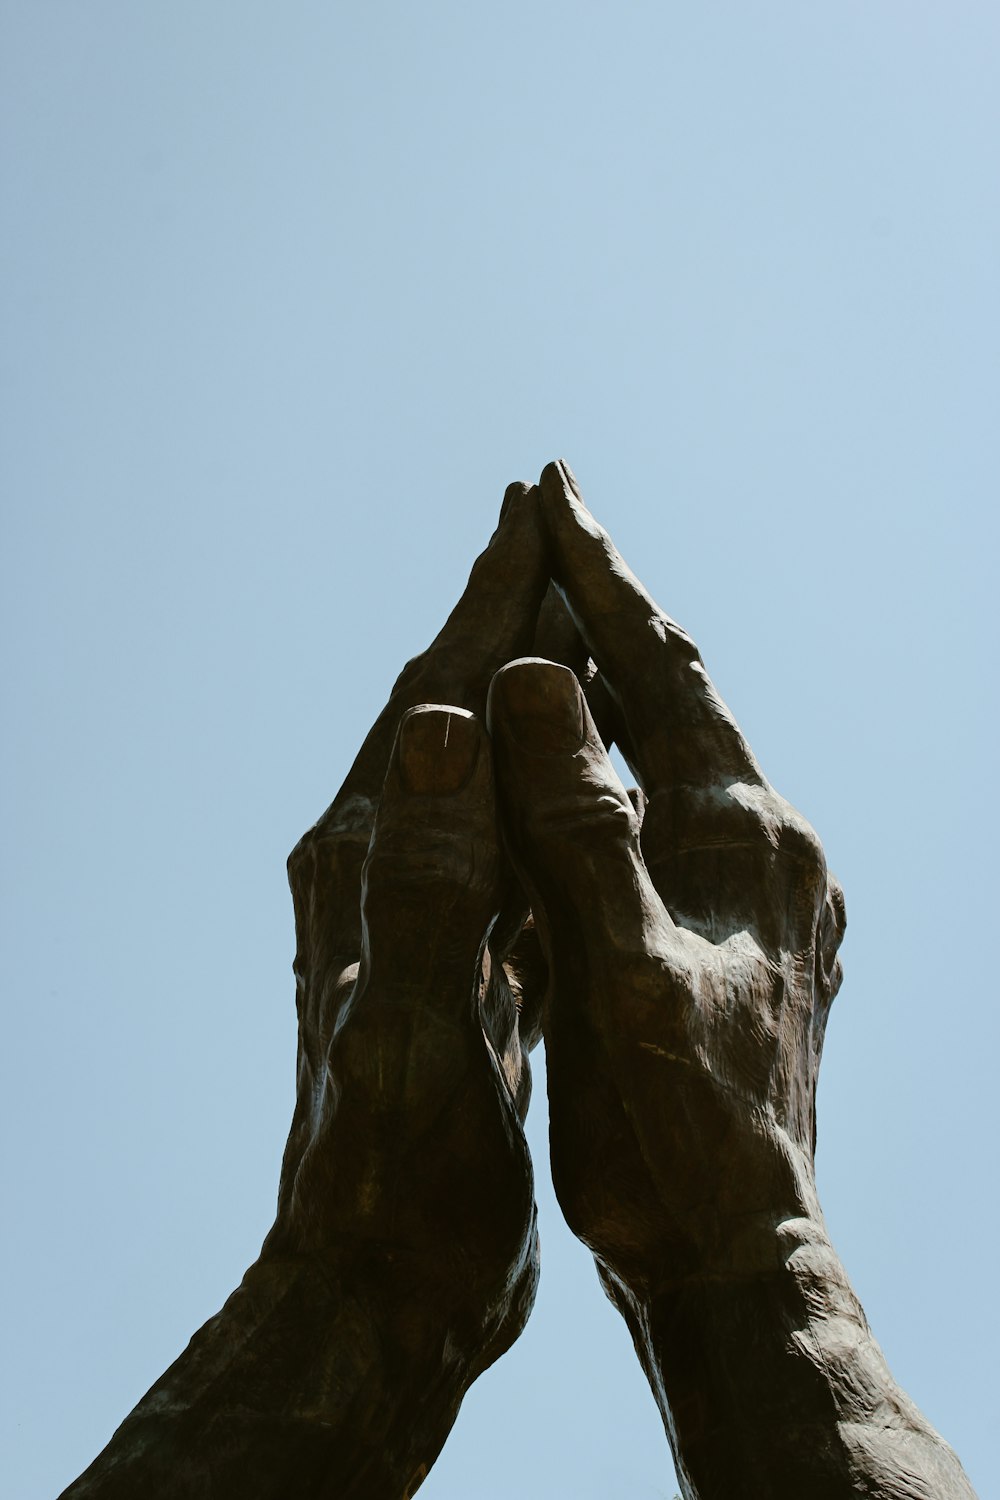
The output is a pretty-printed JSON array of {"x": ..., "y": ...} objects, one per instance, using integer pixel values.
[{"x": 681, "y": 956}]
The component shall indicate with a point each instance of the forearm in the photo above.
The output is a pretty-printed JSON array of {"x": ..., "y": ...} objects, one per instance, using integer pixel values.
[
  {"x": 772, "y": 1386},
  {"x": 314, "y": 1379}
]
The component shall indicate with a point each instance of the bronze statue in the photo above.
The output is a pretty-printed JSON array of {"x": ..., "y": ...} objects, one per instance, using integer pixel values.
[{"x": 482, "y": 878}]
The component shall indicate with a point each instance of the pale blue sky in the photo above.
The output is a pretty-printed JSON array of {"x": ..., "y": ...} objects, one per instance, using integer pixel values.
[{"x": 289, "y": 294}]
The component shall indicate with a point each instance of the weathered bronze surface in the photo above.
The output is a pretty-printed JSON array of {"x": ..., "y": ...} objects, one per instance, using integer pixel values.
[{"x": 481, "y": 877}]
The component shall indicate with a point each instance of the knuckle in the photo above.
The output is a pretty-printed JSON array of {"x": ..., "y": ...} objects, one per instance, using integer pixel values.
[
  {"x": 740, "y": 813},
  {"x": 799, "y": 839},
  {"x": 683, "y": 650},
  {"x": 301, "y": 857},
  {"x": 606, "y": 820},
  {"x": 725, "y": 855},
  {"x": 410, "y": 674},
  {"x": 440, "y": 858}
]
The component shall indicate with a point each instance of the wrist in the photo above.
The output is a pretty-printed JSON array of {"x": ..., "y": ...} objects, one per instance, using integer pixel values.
[
  {"x": 319, "y": 1375},
  {"x": 770, "y": 1381}
]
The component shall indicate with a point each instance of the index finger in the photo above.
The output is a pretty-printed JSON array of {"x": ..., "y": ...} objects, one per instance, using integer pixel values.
[{"x": 678, "y": 731}]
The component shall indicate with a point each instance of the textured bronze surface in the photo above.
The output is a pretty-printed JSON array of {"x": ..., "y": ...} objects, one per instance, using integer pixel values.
[{"x": 483, "y": 875}]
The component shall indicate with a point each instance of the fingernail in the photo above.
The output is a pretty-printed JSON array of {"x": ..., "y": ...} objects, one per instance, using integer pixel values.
[
  {"x": 542, "y": 706},
  {"x": 437, "y": 748}
]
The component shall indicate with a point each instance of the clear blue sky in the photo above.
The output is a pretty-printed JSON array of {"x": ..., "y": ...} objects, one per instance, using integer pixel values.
[{"x": 289, "y": 294}]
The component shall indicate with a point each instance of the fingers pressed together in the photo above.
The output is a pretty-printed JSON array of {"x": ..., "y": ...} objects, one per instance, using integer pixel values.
[
  {"x": 485, "y": 791},
  {"x": 500, "y": 758},
  {"x": 498, "y": 794},
  {"x": 529, "y": 645}
]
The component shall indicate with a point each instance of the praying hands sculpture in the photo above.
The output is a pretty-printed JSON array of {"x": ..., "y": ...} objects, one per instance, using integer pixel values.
[{"x": 483, "y": 878}]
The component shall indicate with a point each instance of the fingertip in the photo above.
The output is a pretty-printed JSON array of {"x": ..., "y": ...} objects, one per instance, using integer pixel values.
[
  {"x": 437, "y": 749},
  {"x": 436, "y": 823},
  {"x": 559, "y": 477},
  {"x": 514, "y": 492},
  {"x": 569, "y": 826},
  {"x": 431, "y": 881},
  {"x": 569, "y": 523},
  {"x": 539, "y": 705}
]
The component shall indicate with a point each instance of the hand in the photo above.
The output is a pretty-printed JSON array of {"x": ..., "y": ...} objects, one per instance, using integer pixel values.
[
  {"x": 693, "y": 935},
  {"x": 692, "y": 938},
  {"x": 404, "y": 1256},
  {"x": 413, "y": 1071}
]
